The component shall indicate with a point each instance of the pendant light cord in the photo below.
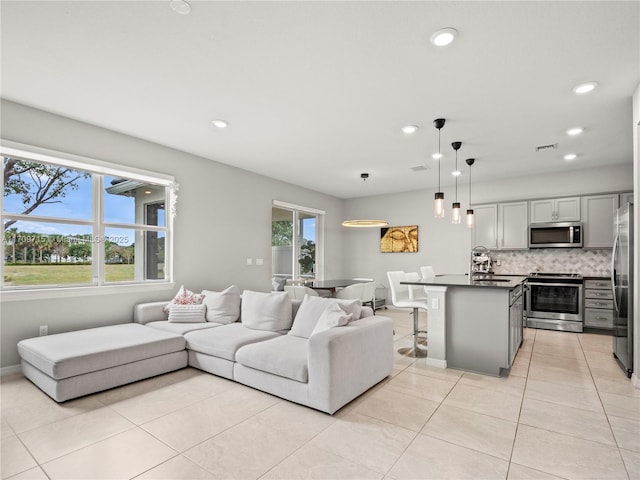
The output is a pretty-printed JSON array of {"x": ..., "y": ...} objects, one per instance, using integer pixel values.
[
  {"x": 469, "y": 186},
  {"x": 439, "y": 159},
  {"x": 456, "y": 176}
]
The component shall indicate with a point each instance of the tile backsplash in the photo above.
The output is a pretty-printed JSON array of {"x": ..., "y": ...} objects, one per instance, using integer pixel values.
[{"x": 588, "y": 263}]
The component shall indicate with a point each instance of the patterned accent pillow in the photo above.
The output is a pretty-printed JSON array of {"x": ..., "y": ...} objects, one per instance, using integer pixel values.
[{"x": 184, "y": 297}]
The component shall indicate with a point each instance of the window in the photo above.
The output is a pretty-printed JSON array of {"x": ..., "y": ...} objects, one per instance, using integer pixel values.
[
  {"x": 296, "y": 246},
  {"x": 71, "y": 221}
]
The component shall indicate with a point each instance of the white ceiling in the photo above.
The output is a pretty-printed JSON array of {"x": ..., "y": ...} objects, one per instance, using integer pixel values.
[{"x": 316, "y": 92}]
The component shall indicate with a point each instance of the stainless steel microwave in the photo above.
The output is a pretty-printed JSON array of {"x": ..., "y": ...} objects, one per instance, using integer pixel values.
[{"x": 555, "y": 235}]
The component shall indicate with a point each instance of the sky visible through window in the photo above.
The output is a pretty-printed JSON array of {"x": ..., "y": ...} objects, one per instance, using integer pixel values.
[{"x": 76, "y": 204}]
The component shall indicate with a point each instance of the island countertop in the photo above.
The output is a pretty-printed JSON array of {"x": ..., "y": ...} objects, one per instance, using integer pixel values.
[{"x": 484, "y": 281}]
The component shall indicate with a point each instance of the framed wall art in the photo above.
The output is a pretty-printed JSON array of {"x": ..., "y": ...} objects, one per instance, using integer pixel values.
[{"x": 399, "y": 239}]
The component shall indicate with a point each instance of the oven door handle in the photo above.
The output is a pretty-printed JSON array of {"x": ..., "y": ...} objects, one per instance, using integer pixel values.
[{"x": 543, "y": 284}]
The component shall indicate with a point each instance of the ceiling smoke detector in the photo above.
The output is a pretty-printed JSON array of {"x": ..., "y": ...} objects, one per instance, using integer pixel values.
[{"x": 551, "y": 146}]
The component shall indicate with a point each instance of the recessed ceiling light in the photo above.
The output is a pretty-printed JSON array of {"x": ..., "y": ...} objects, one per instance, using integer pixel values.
[
  {"x": 409, "y": 129},
  {"x": 585, "y": 87},
  {"x": 444, "y": 36},
  {"x": 456, "y": 173},
  {"x": 575, "y": 131},
  {"x": 570, "y": 156},
  {"x": 220, "y": 123},
  {"x": 147, "y": 192},
  {"x": 437, "y": 156},
  {"x": 180, "y": 6}
]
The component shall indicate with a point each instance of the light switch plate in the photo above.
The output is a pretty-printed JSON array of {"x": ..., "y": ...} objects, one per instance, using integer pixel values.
[
  {"x": 259, "y": 261},
  {"x": 435, "y": 304},
  {"x": 249, "y": 261}
]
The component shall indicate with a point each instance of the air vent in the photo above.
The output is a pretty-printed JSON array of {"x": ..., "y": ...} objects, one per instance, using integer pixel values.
[
  {"x": 551, "y": 146},
  {"x": 420, "y": 168}
]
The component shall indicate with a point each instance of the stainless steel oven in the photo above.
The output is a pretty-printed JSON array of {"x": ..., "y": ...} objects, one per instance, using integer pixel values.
[{"x": 554, "y": 301}]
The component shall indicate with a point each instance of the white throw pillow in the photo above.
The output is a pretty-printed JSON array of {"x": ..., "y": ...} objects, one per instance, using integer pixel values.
[
  {"x": 187, "y": 313},
  {"x": 184, "y": 297},
  {"x": 333, "y": 316},
  {"x": 312, "y": 309},
  {"x": 224, "y": 306},
  {"x": 266, "y": 311}
]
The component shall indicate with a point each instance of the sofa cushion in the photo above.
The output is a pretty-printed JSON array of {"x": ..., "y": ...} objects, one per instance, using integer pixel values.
[
  {"x": 187, "y": 313},
  {"x": 74, "y": 353},
  {"x": 224, "y": 306},
  {"x": 266, "y": 311},
  {"x": 285, "y": 356},
  {"x": 313, "y": 307},
  {"x": 333, "y": 316},
  {"x": 181, "y": 328},
  {"x": 224, "y": 341},
  {"x": 184, "y": 297}
]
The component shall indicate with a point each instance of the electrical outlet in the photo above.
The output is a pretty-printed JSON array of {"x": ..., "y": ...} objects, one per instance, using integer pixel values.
[
  {"x": 44, "y": 330},
  {"x": 435, "y": 304}
]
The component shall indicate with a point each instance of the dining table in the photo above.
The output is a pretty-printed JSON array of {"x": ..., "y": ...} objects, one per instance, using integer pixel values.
[{"x": 331, "y": 286}]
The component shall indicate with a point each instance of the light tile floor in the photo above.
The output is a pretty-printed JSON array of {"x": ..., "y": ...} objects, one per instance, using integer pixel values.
[{"x": 566, "y": 411}]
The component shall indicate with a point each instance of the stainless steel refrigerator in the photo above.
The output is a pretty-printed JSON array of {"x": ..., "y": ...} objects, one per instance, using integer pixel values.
[{"x": 622, "y": 282}]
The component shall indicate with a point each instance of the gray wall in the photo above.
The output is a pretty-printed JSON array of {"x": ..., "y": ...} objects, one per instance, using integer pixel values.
[{"x": 218, "y": 225}]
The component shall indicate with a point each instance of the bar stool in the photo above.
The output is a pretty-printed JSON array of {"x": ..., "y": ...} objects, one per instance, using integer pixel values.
[{"x": 403, "y": 296}]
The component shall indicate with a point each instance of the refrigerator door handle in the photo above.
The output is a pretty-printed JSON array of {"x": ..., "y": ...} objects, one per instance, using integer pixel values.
[{"x": 614, "y": 254}]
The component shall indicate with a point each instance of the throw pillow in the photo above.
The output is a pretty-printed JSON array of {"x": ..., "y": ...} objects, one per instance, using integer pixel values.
[
  {"x": 266, "y": 311},
  {"x": 224, "y": 306},
  {"x": 313, "y": 307},
  {"x": 333, "y": 316},
  {"x": 187, "y": 313},
  {"x": 184, "y": 297}
]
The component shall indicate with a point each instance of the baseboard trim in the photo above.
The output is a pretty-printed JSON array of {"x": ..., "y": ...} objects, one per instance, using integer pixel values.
[
  {"x": 10, "y": 370},
  {"x": 635, "y": 380},
  {"x": 434, "y": 362}
]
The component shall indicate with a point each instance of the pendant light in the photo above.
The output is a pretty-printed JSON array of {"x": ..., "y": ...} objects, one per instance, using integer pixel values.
[
  {"x": 364, "y": 223},
  {"x": 470, "y": 216},
  {"x": 438, "y": 204},
  {"x": 455, "y": 206}
]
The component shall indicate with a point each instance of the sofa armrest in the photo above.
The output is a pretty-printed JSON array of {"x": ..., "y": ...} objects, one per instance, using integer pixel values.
[
  {"x": 149, "y": 312},
  {"x": 346, "y": 361}
]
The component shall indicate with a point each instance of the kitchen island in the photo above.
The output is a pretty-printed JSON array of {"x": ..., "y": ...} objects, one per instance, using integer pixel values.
[{"x": 474, "y": 324}]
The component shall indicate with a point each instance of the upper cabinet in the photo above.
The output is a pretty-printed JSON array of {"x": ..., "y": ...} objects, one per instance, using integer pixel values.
[
  {"x": 513, "y": 225},
  {"x": 598, "y": 213},
  {"x": 555, "y": 210},
  {"x": 485, "y": 230},
  {"x": 501, "y": 226}
]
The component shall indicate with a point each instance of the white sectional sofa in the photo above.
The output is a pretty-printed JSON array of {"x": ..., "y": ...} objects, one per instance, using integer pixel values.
[
  {"x": 323, "y": 370},
  {"x": 281, "y": 346}
]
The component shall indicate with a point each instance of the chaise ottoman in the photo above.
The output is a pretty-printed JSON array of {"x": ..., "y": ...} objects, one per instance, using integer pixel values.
[{"x": 73, "y": 364}]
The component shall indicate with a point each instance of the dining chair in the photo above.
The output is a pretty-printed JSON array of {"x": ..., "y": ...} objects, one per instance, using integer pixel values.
[
  {"x": 297, "y": 292},
  {"x": 350, "y": 292},
  {"x": 369, "y": 292},
  {"x": 402, "y": 296}
]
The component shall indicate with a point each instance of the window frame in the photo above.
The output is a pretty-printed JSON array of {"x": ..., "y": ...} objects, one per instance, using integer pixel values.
[
  {"x": 98, "y": 170},
  {"x": 320, "y": 216}
]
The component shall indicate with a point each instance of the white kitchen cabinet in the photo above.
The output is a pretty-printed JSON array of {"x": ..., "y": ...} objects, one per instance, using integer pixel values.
[
  {"x": 598, "y": 213},
  {"x": 555, "y": 210},
  {"x": 626, "y": 197},
  {"x": 485, "y": 230},
  {"x": 513, "y": 226}
]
